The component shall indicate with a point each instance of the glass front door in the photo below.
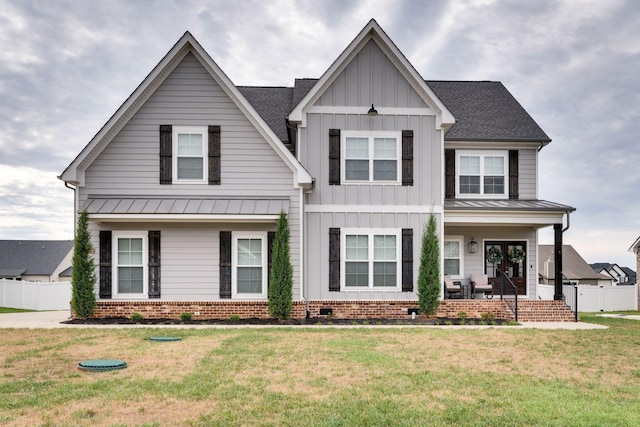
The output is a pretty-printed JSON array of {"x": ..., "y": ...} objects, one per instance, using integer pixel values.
[{"x": 509, "y": 257}]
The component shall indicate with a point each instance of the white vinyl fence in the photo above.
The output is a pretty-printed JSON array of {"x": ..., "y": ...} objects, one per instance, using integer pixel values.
[
  {"x": 35, "y": 295},
  {"x": 592, "y": 298}
]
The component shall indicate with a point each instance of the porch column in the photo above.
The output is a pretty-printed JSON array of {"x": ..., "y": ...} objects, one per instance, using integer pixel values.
[{"x": 557, "y": 261}]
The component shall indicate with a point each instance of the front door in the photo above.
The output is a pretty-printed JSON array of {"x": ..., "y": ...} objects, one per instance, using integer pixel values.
[{"x": 510, "y": 257}]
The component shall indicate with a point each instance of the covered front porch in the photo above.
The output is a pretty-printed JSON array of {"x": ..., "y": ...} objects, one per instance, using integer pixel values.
[{"x": 485, "y": 240}]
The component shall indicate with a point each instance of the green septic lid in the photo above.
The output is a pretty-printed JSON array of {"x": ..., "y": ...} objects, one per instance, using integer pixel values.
[
  {"x": 101, "y": 365},
  {"x": 164, "y": 338}
]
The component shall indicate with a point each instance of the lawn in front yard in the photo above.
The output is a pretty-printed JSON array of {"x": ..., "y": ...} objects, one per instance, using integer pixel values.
[{"x": 296, "y": 376}]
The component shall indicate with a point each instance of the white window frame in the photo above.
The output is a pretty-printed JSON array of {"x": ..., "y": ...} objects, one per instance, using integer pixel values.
[
  {"x": 371, "y": 135},
  {"x": 127, "y": 234},
  {"x": 202, "y": 130},
  {"x": 460, "y": 241},
  {"x": 370, "y": 232},
  {"x": 482, "y": 154},
  {"x": 234, "y": 263}
]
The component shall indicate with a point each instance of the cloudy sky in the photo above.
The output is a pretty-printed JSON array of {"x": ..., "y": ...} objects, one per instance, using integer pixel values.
[{"x": 66, "y": 66}]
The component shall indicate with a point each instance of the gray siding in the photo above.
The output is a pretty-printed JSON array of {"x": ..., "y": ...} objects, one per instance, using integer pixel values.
[
  {"x": 371, "y": 78},
  {"x": 129, "y": 165},
  {"x": 427, "y": 161},
  {"x": 317, "y": 251},
  {"x": 527, "y": 174},
  {"x": 474, "y": 263}
]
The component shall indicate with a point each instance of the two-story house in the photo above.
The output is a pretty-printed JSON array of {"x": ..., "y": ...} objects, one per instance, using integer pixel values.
[{"x": 183, "y": 186}]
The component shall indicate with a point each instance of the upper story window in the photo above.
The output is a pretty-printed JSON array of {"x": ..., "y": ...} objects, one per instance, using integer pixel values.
[
  {"x": 190, "y": 154},
  {"x": 371, "y": 156},
  {"x": 481, "y": 174}
]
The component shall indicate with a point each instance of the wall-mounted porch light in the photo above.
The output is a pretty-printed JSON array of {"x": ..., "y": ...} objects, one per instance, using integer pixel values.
[
  {"x": 372, "y": 111},
  {"x": 473, "y": 246}
]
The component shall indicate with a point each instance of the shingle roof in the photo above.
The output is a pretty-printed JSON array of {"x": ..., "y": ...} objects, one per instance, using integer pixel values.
[
  {"x": 484, "y": 111},
  {"x": 573, "y": 265},
  {"x": 34, "y": 257}
]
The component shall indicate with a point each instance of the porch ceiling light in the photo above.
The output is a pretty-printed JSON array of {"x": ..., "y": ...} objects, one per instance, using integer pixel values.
[
  {"x": 372, "y": 111},
  {"x": 473, "y": 246}
]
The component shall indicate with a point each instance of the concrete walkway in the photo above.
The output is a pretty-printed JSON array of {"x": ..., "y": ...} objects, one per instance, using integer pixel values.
[{"x": 53, "y": 319}]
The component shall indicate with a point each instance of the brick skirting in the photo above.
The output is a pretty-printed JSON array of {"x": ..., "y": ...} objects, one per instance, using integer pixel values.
[{"x": 529, "y": 310}]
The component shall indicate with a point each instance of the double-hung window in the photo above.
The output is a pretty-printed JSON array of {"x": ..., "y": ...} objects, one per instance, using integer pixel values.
[
  {"x": 453, "y": 256},
  {"x": 249, "y": 277},
  {"x": 130, "y": 272},
  {"x": 371, "y": 156},
  {"x": 481, "y": 174},
  {"x": 190, "y": 154},
  {"x": 371, "y": 258}
]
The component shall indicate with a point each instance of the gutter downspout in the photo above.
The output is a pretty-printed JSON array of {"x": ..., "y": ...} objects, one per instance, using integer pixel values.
[{"x": 75, "y": 207}]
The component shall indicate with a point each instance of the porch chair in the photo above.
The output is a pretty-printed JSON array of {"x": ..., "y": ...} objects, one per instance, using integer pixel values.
[
  {"x": 480, "y": 284},
  {"x": 451, "y": 288}
]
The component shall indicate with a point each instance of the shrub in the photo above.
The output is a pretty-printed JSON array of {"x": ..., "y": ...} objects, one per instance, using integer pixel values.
[
  {"x": 462, "y": 316},
  {"x": 281, "y": 283},
  {"x": 137, "y": 317},
  {"x": 235, "y": 318},
  {"x": 83, "y": 275},
  {"x": 429, "y": 272},
  {"x": 185, "y": 317}
]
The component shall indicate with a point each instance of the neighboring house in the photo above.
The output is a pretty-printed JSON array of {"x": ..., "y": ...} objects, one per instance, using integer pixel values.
[
  {"x": 183, "y": 185},
  {"x": 35, "y": 260},
  {"x": 619, "y": 275},
  {"x": 635, "y": 248},
  {"x": 575, "y": 269}
]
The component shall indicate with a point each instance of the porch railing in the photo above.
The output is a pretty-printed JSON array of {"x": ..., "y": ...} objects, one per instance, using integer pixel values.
[
  {"x": 570, "y": 295},
  {"x": 507, "y": 283}
]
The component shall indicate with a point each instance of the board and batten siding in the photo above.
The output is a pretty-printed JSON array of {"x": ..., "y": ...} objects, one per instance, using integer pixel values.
[
  {"x": 474, "y": 263},
  {"x": 317, "y": 251},
  {"x": 371, "y": 78},
  {"x": 527, "y": 174},
  {"x": 427, "y": 161},
  {"x": 129, "y": 166}
]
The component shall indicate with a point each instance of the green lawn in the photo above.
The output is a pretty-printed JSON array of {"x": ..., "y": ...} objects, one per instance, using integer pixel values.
[
  {"x": 325, "y": 377},
  {"x": 13, "y": 310}
]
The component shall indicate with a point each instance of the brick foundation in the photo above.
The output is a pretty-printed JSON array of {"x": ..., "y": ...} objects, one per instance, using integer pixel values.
[{"x": 529, "y": 310}]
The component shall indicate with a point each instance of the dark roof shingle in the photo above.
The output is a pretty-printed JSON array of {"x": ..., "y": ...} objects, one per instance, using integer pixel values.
[{"x": 34, "y": 257}]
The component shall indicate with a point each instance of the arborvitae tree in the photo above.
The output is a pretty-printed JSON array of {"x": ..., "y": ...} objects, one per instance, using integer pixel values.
[
  {"x": 281, "y": 283},
  {"x": 429, "y": 274},
  {"x": 83, "y": 277}
]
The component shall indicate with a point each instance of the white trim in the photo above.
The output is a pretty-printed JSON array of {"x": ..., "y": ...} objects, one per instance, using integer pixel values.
[
  {"x": 145, "y": 218},
  {"x": 373, "y": 31},
  {"x": 421, "y": 209},
  {"x": 200, "y": 130},
  {"x": 461, "y": 248},
  {"x": 482, "y": 154},
  {"x": 356, "y": 110},
  {"x": 130, "y": 234},
  {"x": 371, "y": 136},
  {"x": 74, "y": 173},
  {"x": 235, "y": 235},
  {"x": 370, "y": 232},
  {"x": 507, "y": 218}
]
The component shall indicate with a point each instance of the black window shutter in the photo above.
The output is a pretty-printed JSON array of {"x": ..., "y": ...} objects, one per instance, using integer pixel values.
[
  {"x": 334, "y": 156},
  {"x": 154, "y": 264},
  {"x": 165, "y": 154},
  {"x": 271, "y": 236},
  {"x": 334, "y": 259},
  {"x": 407, "y": 260},
  {"x": 225, "y": 264},
  {"x": 514, "y": 192},
  {"x": 105, "y": 264},
  {"x": 214, "y": 155},
  {"x": 449, "y": 174},
  {"x": 407, "y": 157}
]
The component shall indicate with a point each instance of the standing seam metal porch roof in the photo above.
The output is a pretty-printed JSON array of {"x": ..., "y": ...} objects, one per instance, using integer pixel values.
[
  {"x": 506, "y": 205},
  {"x": 180, "y": 206}
]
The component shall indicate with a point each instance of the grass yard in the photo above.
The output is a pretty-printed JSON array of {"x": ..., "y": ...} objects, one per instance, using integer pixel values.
[
  {"x": 324, "y": 377},
  {"x": 13, "y": 310}
]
